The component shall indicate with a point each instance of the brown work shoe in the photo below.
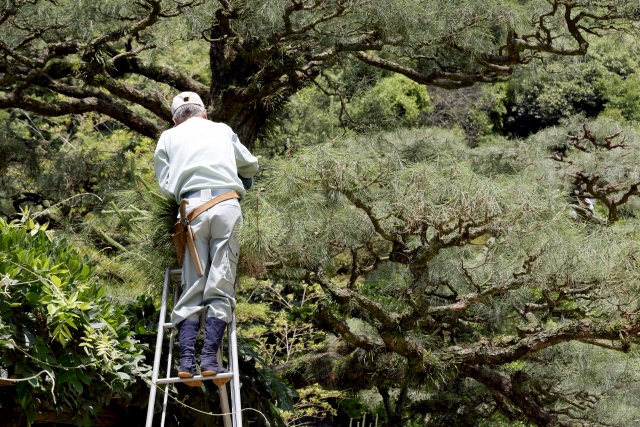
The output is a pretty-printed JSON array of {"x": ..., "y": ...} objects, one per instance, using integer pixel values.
[{"x": 195, "y": 383}]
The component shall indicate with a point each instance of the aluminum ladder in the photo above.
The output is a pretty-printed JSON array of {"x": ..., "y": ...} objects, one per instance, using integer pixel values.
[{"x": 233, "y": 420}]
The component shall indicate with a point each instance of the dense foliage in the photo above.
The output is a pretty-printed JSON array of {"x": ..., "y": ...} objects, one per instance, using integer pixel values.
[
  {"x": 447, "y": 265},
  {"x": 603, "y": 81},
  {"x": 62, "y": 169},
  {"x": 123, "y": 62},
  {"x": 424, "y": 256},
  {"x": 54, "y": 317}
]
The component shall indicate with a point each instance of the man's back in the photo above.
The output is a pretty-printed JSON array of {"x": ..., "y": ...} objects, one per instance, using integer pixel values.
[{"x": 200, "y": 154}]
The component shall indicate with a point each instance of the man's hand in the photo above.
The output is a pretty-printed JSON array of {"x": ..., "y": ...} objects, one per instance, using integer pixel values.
[{"x": 246, "y": 182}]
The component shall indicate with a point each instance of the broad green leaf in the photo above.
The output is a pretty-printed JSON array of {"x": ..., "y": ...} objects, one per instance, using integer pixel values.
[
  {"x": 101, "y": 292},
  {"x": 124, "y": 376},
  {"x": 32, "y": 297},
  {"x": 56, "y": 331},
  {"x": 77, "y": 385},
  {"x": 70, "y": 323},
  {"x": 85, "y": 271},
  {"x": 66, "y": 376},
  {"x": 65, "y": 331},
  {"x": 24, "y": 394},
  {"x": 82, "y": 376},
  {"x": 73, "y": 266}
]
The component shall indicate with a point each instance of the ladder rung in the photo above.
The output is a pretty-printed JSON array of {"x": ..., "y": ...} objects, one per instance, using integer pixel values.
[
  {"x": 178, "y": 271},
  {"x": 193, "y": 378},
  {"x": 167, "y": 326}
]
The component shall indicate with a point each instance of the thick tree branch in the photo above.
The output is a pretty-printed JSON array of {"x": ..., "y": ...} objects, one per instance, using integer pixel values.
[
  {"x": 77, "y": 106},
  {"x": 443, "y": 79},
  {"x": 516, "y": 391},
  {"x": 164, "y": 75},
  {"x": 509, "y": 349},
  {"x": 151, "y": 101},
  {"x": 341, "y": 329}
]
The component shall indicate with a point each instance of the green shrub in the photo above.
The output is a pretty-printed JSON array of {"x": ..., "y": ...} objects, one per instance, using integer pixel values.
[
  {"x": 54, "y": 317},
  {"x": 392, "y": 99}
]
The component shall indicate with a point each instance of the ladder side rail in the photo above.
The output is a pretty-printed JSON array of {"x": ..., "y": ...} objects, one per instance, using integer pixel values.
[
  {"x": 233, "y": 367},
  {"x": 169, "y": 363},
  {"x": 224, "y": 398},
  {"x": 156, "y": 361}
]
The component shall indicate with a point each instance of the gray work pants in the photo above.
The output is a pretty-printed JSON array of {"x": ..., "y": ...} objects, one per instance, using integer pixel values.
[{"x": 212, "y": 295}]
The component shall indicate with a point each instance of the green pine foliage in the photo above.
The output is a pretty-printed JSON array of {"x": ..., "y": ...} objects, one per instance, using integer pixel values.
[
  {"x": 476, "y": 230},
  {"x": 345, "y": 202}
]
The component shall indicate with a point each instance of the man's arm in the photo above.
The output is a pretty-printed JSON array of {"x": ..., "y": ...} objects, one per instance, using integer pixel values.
[
  {"x": 161, "y": 165},
  {"x": 246, "y": 162}
]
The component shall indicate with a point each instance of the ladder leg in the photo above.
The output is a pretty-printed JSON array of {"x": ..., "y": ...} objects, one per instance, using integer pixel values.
[
  {"x": 233, "y": 366},
  {"x": 169, "y": 363},
  {"x": 151, "y": 405},
  {"x": 224, "y": 398},
  {"x": 156, "y": 360}
]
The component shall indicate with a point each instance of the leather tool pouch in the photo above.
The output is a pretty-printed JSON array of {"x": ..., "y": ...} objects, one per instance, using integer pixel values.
[
  {"x": 180, "y": 230},
  {"x": 179, "y": 239}
]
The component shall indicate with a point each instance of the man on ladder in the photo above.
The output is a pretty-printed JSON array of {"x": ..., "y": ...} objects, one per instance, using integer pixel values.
[{"x": 202, "y": 164}]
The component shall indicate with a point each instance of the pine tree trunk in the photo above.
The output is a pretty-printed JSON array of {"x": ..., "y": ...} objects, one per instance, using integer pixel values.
[
  {"x": 249, "y": 83},
  {"x": 246, "y": 121}
]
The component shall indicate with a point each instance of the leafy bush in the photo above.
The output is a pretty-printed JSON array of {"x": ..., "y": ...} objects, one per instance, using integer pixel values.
[
  {"x": 391, "y": 100},
  {"x": 352, "y": 104},
  {"x": 604, "y": 80},
  {"x": 54, "y": 317}
]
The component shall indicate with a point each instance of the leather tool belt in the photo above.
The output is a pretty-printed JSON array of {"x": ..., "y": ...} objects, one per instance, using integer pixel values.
[{"x": 183, "y": 234}]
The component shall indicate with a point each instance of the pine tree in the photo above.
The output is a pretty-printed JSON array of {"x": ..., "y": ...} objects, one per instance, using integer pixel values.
[
  {"x": 469, "y": 280},
  {"x": 127, "y": 59}
]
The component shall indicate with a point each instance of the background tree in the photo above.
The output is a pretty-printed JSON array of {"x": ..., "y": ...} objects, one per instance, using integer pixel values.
[
  {"x": 121, "y": 59},
  {"x": 68, "y": 165},
  {"x": 446, "y": 265},
  {"x": 602, "y": 81}
]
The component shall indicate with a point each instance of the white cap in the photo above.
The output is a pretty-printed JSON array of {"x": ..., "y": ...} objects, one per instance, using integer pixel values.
[{"x": 185, "y": 98}]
